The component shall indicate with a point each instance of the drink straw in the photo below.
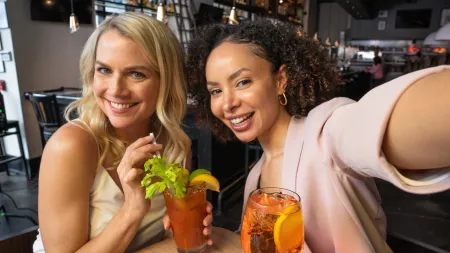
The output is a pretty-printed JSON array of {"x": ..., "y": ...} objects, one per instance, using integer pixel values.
[{"x": 154, "y": 142}]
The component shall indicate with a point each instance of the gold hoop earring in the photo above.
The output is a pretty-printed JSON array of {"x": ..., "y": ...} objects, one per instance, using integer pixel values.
[{"x": 282, "y": 98}]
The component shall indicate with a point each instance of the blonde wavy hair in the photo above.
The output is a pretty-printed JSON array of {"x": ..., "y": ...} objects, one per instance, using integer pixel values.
[{"x": 164, "y": 53}]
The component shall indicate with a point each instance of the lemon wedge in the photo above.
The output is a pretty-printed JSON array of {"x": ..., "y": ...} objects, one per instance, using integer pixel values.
[
  {"x": 288, "y": 232},
  {"x": 211, "y": 182}
]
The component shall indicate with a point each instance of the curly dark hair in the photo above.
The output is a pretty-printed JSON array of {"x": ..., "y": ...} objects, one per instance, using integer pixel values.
[{"x": 311, "y": 77}]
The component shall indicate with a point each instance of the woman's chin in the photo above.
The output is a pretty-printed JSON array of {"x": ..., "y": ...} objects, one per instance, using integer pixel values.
[
  {"x": 245, "y": 137},
  {"x": 120, "y": 124}
]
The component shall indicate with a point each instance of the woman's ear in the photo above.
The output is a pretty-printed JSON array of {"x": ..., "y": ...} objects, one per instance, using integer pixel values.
[{"x": 281, "y": 79}]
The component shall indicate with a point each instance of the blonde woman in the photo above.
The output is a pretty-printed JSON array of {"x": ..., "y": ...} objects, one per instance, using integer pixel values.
[{"x": 90, "y": 199}]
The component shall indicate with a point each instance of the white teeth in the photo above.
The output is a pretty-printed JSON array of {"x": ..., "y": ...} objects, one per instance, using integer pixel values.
[
  {"x": 240, "y": 119},
  {"x": 120, "y": 106}
]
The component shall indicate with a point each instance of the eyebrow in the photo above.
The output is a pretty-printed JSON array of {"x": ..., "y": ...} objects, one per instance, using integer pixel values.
[
  {"x": 231, "y": 77},
  {"x": 127, "y": 68}
]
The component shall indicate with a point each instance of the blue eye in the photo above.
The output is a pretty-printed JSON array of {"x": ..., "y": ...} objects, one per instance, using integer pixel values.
[
  {"x": 137, "y": 75},
  {"x": 103, "y": 70},
  {"x": 243, "y": 82}
]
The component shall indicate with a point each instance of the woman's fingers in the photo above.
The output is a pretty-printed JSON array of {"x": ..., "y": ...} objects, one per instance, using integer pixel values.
[
  {"x": 209, "y": 207},
  {"x": 208, "y": 220},
  {"x": 137, "y": 157},
  {"x": 133, "y": 175},
  {"x": 140, "y": 142},
  {"x": 166, "y": 222},
  {"x": 150, "y": 149},
  {"x": 207, "y": 230}
]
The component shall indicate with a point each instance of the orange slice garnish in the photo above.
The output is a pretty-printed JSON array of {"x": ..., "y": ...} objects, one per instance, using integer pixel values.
[{"x": 288, "y": 232}]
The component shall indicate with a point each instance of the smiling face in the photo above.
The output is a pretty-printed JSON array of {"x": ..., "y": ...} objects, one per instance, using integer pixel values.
[
  {"x": 244, "y": 90},
  {"x": 125, "y": 86}
]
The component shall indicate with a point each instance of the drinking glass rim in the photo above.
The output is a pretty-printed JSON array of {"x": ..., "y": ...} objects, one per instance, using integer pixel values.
[
  {"x": 189, "y": 190},
  {"x": 294, "y": 194}
]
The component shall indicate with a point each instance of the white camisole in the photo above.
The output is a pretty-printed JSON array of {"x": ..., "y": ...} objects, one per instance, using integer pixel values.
[{"x": 105, "y": 200}]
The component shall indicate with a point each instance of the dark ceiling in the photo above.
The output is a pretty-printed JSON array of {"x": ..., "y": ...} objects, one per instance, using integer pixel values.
[{"x": 368, "y": 9}]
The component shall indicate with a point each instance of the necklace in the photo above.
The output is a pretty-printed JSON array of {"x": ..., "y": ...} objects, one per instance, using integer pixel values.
[{"x": 275, "y": 155}]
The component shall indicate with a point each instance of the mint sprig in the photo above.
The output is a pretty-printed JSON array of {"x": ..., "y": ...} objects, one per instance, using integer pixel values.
[{"x": 173, "y": 176}]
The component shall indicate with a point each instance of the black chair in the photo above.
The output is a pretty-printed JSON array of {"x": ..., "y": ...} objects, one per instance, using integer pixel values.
[
  {"x": 47, "y": 113},
  {"x": 5, "y": 158}
]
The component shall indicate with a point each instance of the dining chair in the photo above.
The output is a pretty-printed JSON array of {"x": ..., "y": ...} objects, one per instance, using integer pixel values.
[{"x": 47, "y": 113}]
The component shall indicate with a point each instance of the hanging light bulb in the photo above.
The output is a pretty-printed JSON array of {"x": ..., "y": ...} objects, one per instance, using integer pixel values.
[
  {"x": 233, "y": 18},
  {"x": 49, "y": 2},
  {"x": 74, "y": 25},
  {"x": 316, "y": 37},
  {"x": 161, "y": 13},
  {"x": 73, "y": 21}
]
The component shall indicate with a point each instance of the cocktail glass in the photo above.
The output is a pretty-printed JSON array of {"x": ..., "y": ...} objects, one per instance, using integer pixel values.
[
  {"x": 273, "y": 222},
  {"x": 186, "y": 218}
]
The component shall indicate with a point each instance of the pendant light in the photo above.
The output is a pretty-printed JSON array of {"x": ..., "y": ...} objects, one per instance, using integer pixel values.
[
  {"x": 73, "y": 21},
  {"x": 161, "y": 14},
  {"x": 233, "y": 18}
]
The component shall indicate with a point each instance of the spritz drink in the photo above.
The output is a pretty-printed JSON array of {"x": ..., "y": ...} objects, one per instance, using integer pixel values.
[
  {"x": 273, "y": 222},
  {"x": 186, "y": 217}
]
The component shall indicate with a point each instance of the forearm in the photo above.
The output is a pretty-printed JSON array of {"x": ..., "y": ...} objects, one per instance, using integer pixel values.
[
  {"x": 117, "y": 235},
  {"x": 418, "y": 132}
]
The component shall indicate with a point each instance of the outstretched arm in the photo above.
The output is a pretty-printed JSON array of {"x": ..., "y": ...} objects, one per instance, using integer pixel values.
[{"x": 418, "y": 131}]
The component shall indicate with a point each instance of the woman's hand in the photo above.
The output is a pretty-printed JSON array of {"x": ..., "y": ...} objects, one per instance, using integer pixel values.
[
  {"x": 131, "y": 173},
  {"x": 207, "y": 222}
]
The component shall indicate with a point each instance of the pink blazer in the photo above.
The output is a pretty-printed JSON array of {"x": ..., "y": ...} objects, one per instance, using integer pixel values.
[
  {"x": 377, "y": 71},
  {"x": 330, "y": 158}
]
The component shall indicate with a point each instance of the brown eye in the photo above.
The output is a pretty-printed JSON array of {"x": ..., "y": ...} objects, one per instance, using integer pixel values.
[
  {"x": 214, "y": 92},
  {"x": 243, "y": 82}
]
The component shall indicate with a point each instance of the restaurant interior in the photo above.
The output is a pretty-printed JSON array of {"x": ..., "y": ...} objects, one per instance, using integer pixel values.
[{"x": 39, "y": 76}]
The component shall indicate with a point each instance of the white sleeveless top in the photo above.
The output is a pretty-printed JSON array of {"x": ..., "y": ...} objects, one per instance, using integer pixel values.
[{"x": 105, "y": 200}]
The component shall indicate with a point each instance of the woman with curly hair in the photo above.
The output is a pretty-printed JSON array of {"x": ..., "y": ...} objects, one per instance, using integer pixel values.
[
  {"x": 263, "y": 81},
  {"x": 90, "y": 197}
]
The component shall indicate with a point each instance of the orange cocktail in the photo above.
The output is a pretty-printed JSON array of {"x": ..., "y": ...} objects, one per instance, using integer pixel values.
[
  {"x": 186, "y": 217},
  {"x": 273, "y": 222}
]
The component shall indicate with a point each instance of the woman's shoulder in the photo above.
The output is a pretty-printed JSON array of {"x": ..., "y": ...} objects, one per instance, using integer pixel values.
[
  {"x": 70, "y": 158},
  {"x": 321, "y": 113},
  {"x": 72, "y": 137}
]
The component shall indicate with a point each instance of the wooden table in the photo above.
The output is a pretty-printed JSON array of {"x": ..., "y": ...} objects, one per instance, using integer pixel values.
[{"x": 224, "y": 240}]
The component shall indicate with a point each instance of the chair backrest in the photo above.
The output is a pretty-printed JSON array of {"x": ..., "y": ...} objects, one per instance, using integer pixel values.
[{"x": 46, "y": 109}]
